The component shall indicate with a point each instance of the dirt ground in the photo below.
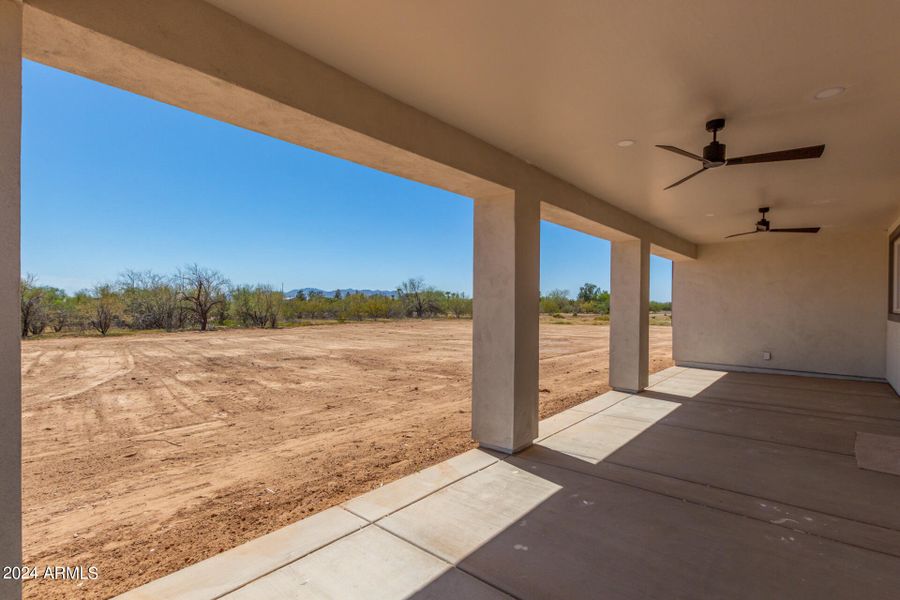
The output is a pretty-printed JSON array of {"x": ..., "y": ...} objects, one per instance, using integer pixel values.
[{"x": 146, "y": 453}]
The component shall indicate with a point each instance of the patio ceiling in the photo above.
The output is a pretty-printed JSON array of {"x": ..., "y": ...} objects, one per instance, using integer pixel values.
[{"x": 559, "y": 84}]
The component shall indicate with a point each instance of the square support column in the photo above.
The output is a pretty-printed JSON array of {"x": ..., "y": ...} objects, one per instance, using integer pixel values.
[
  {"x": 506, "y": 298},
  {"x": 629, "y": 320},
  {"x": 10, "y": 351}
]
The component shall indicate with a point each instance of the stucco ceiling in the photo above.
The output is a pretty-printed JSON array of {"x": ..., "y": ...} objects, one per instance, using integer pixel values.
[{"x": 559, "y": 83}]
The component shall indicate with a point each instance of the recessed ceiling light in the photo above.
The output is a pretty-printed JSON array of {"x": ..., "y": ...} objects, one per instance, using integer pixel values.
[
  {"x": 829, "y": 92},
  {"x": 625, "y": 143}
]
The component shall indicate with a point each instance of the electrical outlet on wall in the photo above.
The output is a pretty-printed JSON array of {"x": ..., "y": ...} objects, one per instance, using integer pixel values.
[{"x": 767, "y": 355}]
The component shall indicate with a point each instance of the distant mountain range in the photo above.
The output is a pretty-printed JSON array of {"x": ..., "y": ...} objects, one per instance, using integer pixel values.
[{"x": 344, "y": 292}]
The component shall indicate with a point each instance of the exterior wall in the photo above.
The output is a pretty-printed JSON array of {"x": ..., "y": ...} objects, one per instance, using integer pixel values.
[
  {"x": 892, "y": 361},
  {"x": 893, "y": 354},
  {"x": 10, "y": 353},
  {"x": 816, "y": 303}
]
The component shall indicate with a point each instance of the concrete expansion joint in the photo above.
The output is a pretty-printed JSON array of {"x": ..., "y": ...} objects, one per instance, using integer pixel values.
[
  {"x": 587, "y": 415},
  {"x": 281, "y": 566},
  {"x": 443, "y": 560},
  {"x": 412, "y": 543},
  {"x": 431, "y": 493}
]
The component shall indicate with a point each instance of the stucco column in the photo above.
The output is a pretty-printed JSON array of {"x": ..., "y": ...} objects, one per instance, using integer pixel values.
[
  {"x": 629, "y": 319},
  {"x": 505, "y": 329},
  {"x": 10, "y": 353}
]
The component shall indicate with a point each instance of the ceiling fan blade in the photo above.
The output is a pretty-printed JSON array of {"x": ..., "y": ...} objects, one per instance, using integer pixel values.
[
  {"x": 794, "y": 154},
  {"x": 680, "y": 181},
  {"x": 740, "y": 234},
  {"x": 681, "y": 152},
  {"x": 797, "y": 230}
]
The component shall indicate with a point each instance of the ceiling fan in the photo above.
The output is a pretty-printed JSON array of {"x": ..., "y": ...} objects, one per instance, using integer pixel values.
[
  {"x": 763, "y": 226},
  {"x": 714, "y": 153}
]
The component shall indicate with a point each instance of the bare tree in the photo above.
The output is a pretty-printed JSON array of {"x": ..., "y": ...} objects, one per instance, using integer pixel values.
[
  {"x": 107, "y": 308},
  {"x": 420, "y": 300},
  {"x": 411, "y": 292},
  {"x": 203, "y": 289}
]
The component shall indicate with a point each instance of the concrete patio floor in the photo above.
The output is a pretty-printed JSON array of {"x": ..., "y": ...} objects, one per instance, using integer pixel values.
[{"x": 706, "y": 485}]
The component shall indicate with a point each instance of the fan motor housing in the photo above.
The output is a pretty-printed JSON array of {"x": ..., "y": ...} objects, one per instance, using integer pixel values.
[
  {"x": 715, "y": 154},
  {"x": 715, "y": 125}
]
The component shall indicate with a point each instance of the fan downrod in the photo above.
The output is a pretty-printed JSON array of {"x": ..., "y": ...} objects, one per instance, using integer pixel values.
[
  {"x": 763, "y": 223},
  {"x": 714, "y": 153}
]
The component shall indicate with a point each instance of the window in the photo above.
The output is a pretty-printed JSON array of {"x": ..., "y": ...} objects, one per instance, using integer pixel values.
[{"x": 894, "y": 290}]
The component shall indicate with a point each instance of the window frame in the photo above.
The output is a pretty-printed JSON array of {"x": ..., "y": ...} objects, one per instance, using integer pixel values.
[{"x": 894, "y": 276}]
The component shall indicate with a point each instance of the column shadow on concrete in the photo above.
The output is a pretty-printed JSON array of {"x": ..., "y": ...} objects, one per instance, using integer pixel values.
[{"x": 745, "y": 490}]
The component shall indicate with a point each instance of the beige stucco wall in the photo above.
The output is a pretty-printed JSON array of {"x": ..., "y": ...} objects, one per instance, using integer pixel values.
[
  {"x": 893, "y": 354},
  {"x": 816, "y": 302},
  {"x": 10, "y": 365},
  {"x": 892, "y": 350}
]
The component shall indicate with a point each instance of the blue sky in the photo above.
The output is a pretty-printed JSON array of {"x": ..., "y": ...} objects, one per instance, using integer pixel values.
[{"x": 112, "y": 181}]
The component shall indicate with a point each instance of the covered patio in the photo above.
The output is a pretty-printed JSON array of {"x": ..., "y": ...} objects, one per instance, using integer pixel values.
[
  {"x": 734, "y": 475},
  {"x": 706, "y": 485}
]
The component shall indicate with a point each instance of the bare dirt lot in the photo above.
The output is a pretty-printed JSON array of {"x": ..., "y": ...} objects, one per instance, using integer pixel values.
[{"x": 145, "y": 453}]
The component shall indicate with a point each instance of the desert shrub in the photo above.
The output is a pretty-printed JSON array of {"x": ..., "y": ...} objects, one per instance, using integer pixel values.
[
  {"x": 592, "y": 299},
  {"x": 352, "y": 307},
  {"x": 556, "y": 302},
  {"x": 459, "y": 305},
  {"x": 379, "y": 306},
  {"x": 42, "y": 307},
  {"x": 106, "y": 308},
  {"x": 197, "y": 297},
  {"x": 258, "y": 306},
  {"x": 62, "y": 310},
  {"x": 31, "y": 304},
  {"x": 152, "y": 301}
]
